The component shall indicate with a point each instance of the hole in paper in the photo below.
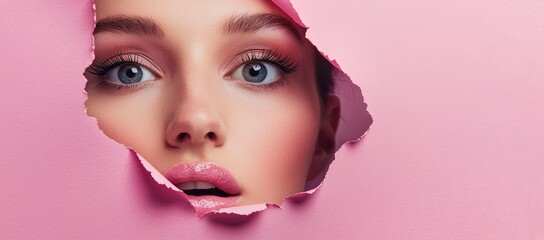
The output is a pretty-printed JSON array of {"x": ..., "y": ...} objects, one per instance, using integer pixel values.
[{"x": 227, "y": 101}]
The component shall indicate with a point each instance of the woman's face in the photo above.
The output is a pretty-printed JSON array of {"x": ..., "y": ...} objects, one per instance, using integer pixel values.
[{"x": 214, "y": 94}]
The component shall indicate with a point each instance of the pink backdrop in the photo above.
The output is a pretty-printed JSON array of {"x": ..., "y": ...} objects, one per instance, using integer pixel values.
[{"x": 456, "y": 150}]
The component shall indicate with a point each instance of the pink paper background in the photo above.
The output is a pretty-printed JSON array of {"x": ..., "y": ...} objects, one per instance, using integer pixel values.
[{"x": 456, "y": 151}]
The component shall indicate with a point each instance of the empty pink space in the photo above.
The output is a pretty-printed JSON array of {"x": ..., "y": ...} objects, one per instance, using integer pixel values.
[{"x": 455, "y": 151}]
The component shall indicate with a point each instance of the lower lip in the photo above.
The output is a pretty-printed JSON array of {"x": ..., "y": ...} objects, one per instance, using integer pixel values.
[{"x": 206, "y": 204}]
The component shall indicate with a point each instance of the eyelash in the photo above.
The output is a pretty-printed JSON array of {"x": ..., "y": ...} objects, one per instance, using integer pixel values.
[
  {"x": 284, "y": 63},
  {"x": 265, "y": 55},
  {"x": 100, "y": 69}
]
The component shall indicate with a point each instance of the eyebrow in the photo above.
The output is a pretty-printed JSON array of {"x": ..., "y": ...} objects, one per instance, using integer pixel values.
[
  {"x": 246, "y": 23},
  {"x": 129, "y": 25},
  {"x": 242, "y": 23}
]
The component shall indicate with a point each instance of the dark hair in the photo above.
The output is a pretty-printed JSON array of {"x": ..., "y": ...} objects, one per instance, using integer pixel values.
[{"x": 324, "y": 71}]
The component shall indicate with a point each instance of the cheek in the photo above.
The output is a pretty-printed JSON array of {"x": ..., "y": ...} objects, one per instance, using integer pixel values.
[
  {"x": 275, "y": 144},
  {"x": 131, "y": 120}
]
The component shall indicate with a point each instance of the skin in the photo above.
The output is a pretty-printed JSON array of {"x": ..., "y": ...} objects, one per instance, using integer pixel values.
[{"x": 197, "y": 109}]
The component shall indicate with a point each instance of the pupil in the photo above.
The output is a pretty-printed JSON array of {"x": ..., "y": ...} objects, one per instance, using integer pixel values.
[
  {"x": 132, "y": 72},
  {"x": 254, "y": 71}
]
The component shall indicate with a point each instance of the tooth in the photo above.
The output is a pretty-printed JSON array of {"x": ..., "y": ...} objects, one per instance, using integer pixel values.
[
  {"x": 187, "y": 186},
  {"x": 204, "y": 185}
]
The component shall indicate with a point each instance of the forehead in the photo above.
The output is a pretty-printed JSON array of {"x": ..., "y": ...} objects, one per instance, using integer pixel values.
[{"x": 185, "y": 11}]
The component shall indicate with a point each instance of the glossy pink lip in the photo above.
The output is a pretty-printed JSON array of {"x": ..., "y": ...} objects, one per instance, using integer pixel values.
[{"x": 210, "y": 173}]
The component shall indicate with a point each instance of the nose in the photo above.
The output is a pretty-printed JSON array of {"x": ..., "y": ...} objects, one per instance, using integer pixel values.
[{"x": 195, "y": 123}]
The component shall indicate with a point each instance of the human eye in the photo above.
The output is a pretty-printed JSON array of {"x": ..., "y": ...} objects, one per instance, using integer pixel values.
[
  {"x": 261, "y": 67},
  {"x": 123, "y": 70},
  {"x": 257, "y": 72},
  {"x": 129, "y": 73}
]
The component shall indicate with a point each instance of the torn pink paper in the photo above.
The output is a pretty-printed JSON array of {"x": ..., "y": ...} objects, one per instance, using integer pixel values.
[
  {"x": 355, "y": 119},
  {"x": 455, "y": 152},
  {"x": 287, "y": 7}
]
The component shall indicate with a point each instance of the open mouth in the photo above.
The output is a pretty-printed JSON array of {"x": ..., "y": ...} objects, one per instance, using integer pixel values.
[
  {"x": 202, "y": 189},
  {"x": 208, "y": 187}
]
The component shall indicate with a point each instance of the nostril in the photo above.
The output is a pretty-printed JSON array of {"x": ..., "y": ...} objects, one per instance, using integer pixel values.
[
  {"x": 211, "y": 136},
  {"x": 183, "y": 136}
]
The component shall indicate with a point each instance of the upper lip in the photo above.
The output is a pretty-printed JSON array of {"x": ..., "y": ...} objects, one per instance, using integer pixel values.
[{"x": 188, "y": 173}]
